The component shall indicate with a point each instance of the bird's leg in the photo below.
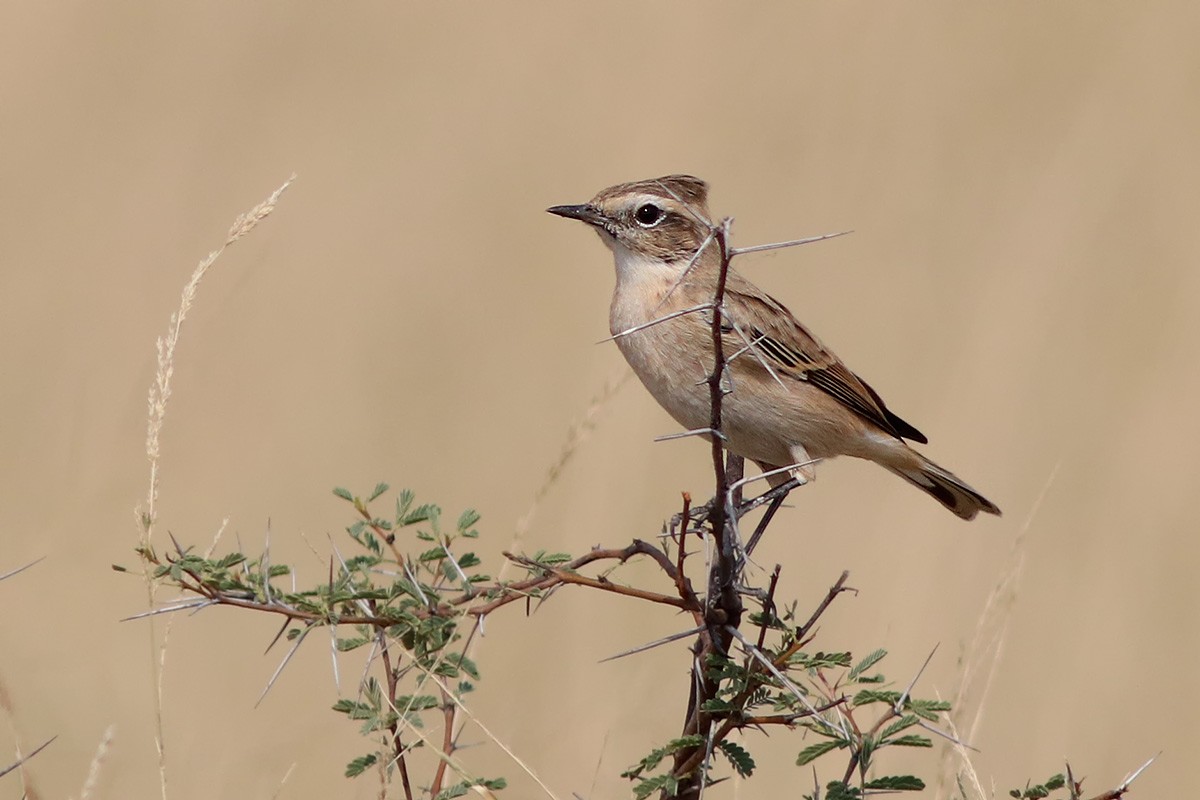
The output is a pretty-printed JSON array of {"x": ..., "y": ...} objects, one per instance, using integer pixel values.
[
  {"x": 761, "y": 528},
  {"x": 769, "y": 496}
]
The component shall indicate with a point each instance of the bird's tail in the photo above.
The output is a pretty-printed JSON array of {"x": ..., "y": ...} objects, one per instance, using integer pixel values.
[{"x": 945, "y": 487}]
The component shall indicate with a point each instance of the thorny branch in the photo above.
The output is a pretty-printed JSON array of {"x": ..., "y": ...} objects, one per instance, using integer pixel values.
[
  {"x": 549, "y": 577},
  {"x": 716, "y": 613},
  {"x": 724, "y": 606},
  {"x": 394, "y": 724}
]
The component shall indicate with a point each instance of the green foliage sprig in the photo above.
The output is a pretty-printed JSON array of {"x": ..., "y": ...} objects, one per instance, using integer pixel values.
[{"x": 409, "y": 611}]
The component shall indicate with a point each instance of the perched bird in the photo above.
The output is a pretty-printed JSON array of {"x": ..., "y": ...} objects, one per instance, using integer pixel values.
[{"x": 790, "y": 400}]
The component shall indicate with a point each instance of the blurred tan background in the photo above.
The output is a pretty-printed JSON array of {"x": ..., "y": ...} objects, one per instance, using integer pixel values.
[{"x": 1022, "y": 285}]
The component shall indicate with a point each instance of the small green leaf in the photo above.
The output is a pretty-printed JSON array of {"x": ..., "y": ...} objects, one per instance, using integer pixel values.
[
  {"x": 896, "y": 783},
  {"x": 465, "y": 664},
  {"x": 868, "y": 662},
  {"x": 467, "y": 519},
  {"x": 866, "y": 749},
  {"x": 907, "y": 721},
  {"x": 867, "y": 696},
  {"x": 343, "y": 493},
  {"x": 230, "y": 560},
  {"x": 354, "y": 709},
  {"x": 461, "y": 788},
  {"x": 360, "y": 765},
  {"x": 839, "y": 790},
  {"x": 666, "y": 783},
  {"x": 815, "y": 751},
  {"x": 912, "y": 740},
  {"x": 380, "y": 488},
  {"x": 422, "y": 702},
  {"x": 822, "y": 660},
  {"x": 716, "y": 705},
  {"x": 770, "y": 620},
  {"x": 742, "y": 763},
  {"x": 436, "y": 554},
  {"x": 655, "y": 757},
  {"x": 928, "y": 709},
  {"x": 421, "y": 513},
  {"x": 372, "y": 543},
  {"x": 551, "y": 559},
  {"x": 451, "y": 792},
  {"x": 1040, "y": 791}
]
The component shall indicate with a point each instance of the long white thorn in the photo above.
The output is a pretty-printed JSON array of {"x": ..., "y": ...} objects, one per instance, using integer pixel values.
[
  {"x": 758, "y": 248},
  {"x": 651, "y": 323}
]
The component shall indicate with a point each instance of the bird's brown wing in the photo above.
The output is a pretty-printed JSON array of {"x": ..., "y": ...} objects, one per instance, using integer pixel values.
[{"x": 791, "y": 349}]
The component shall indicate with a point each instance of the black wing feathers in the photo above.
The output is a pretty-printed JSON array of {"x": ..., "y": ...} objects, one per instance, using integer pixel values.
[{"x": 842, "y": 384}]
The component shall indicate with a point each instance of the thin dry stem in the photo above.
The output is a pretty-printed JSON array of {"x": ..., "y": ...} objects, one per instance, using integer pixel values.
[
  {"x": 6, "y": 705},
  {"x": 528, "y": 770},
  {"x": 93, "y": 776},
  {"x": 283, "y": 781},
  {"x": 984, "y": 652},
  {"x": 158, "y": 398},
  {"x": 30, "y": 792},
  {"x": 448, "y": 758},
  {"x": 21, "y": 569},
  {"x": 577, "y": 434}
]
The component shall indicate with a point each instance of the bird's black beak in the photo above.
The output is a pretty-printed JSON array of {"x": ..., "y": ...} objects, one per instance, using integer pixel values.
[{"x": 584, "y": 213}]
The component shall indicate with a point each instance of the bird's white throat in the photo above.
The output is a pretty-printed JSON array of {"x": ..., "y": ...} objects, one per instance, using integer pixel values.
[{"x": 642, "y": 283}]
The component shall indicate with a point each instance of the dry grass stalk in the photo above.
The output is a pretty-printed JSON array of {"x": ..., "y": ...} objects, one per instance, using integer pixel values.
[
  {"x": 160, "y": 390},
  {"x": 283, "y": 781},
  {"x": 159, "y": 396},
  {"x": 577, "y": 434},
  {"x": 6, "y": 705},
  {"x": 508, "y": 751},
  {"x": 981, "y": 659},
  {"x": 93, "y": 776}
]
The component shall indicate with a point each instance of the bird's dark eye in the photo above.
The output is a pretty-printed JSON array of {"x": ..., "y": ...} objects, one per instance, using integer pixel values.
[{"x": 648, "y": 215}]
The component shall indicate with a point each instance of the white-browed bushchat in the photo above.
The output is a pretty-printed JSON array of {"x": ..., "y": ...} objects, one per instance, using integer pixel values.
[{"x": 791, "y": 401}]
